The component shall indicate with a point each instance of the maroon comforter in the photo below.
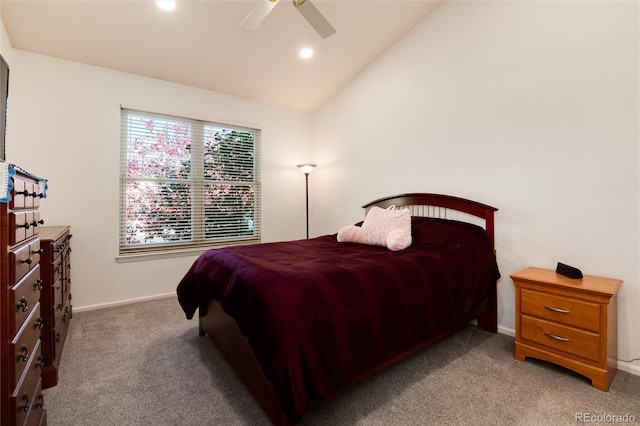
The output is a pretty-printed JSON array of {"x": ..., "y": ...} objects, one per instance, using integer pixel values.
[{"x": 317, "y": 312}]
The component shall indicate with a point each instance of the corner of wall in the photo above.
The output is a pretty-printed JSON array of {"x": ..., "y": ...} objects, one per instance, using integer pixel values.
[{"x": 6, "y": 47}]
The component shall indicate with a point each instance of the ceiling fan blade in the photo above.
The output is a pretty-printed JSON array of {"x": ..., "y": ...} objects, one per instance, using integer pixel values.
[
  {"x": 258, "y": 14},
  {"x": 314, "y": 17}
]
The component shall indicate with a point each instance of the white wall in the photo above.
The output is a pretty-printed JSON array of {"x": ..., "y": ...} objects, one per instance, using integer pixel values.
[
  {"x": 64, "y": 124},
  {"x": 531, "y": 107}
]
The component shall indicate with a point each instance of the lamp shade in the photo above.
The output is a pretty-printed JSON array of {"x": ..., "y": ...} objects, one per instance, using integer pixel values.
[{"x": 306, "y": 168}]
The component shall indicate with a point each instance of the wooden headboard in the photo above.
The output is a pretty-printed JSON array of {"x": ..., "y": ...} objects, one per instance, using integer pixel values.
[{"x": 440, "y": 206}]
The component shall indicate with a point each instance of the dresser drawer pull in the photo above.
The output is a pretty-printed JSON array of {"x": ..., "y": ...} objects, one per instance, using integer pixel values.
[
  {"x": 561, "y": 311},
  {"x": 553, "y": 336},
  {"x": 24, "y": 406},
  {"x": 37, "y": 284},
  {"x": 40, "y": 251},
  {"x": 28, "y": 261},
  {"x": 40, "y": 363},
  {"x": 23, "y": 354},
  {"x": 24, "y": 225},
  {"x": 38, "y": 222},
  {"x": 23, "y": 304},
  {"x": 39, "y": 323},
  {"x": 40, "y": 404},
  {"x": 58, "y": 338}
]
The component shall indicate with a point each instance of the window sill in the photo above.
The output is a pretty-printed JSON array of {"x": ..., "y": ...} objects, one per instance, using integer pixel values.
[
  {"x": 138, "y": 257},
  {"x": 169, "y": 254}
]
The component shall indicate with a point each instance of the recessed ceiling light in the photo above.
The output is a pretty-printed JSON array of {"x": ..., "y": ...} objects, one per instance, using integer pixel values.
[
  {"x": 306, "y": 52},
  {"x": 166, "y": 4}
]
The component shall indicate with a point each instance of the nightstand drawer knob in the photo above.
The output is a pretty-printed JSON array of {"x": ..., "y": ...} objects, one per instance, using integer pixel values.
[
  {"x": 553, "y": 336},
  {"x": 561, "y": 311}
]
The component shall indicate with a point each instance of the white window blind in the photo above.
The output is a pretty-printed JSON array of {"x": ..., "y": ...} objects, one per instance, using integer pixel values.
[{"x": 186, "y": 183}]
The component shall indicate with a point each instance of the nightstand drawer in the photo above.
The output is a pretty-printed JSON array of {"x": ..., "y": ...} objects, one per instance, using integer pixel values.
[
  {"x": 581, "y": 343},
  {"x": 576, "y": 313}
]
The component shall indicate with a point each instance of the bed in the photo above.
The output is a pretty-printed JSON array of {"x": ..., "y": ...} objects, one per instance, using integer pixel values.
[{"x": 299, "y": 320}]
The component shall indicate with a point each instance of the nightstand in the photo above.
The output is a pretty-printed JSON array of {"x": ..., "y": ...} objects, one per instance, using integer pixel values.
[{"x": 569, "y": 322}]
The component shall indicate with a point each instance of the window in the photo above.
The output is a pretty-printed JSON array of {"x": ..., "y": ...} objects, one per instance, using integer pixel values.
[{"x": 186, "y": 184}]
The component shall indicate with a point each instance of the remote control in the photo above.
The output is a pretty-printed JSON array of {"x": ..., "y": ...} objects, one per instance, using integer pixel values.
[{"x": 568, "y": 271}]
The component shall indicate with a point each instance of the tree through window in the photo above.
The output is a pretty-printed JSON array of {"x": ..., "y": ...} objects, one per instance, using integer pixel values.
[{"x": 186, "y": 183}]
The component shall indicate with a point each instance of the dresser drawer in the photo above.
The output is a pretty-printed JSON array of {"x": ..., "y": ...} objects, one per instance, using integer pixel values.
[
  {"x": 23, "y": 296},
  {"x": 26, "y": 396},
  {"x": 23, "y": 259},
  {"x": 62, "y": 318},
  {"x": 25, "y": 342},
  {"x": 19, "y": 193},
  {"x": 58, "y": 267},
  {"x": 60, "y": 245},
  {"x": 22, "y": 224},
  {"x": 38, "y": 415},
  {"x": 58, "y": 302},
  {"x": 25, "y": 194},
  {"x": 58, "y": 307},
  {"x": 573, "y": 312},
  {"x": 60, "y": 335},
  {"x": 573, "y": 341}
]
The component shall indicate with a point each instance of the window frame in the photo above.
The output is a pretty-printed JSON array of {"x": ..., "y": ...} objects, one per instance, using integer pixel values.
[{"x": 197, "y": 181}]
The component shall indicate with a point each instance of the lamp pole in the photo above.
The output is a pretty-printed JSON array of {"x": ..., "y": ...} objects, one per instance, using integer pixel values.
[
  {"x": 306, "y": 169},
  {"x": 306, "y": 181}
]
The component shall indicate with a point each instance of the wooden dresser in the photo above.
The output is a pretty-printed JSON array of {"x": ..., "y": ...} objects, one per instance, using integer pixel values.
[
  {"x": 570, "y": 322},
  {"x": 21, "y": 323},
  {"x": 55, "y": 298}
]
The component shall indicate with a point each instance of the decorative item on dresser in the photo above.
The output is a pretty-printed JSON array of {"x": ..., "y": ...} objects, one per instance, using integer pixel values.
[
  {"x": 569, "y": 322},
  {"x": 21, "y": 360},
  {"x": 55, "y": 264}
]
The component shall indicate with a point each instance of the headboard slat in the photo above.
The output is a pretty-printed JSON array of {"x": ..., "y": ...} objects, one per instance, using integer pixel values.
[{"x": 438, "y": 205}]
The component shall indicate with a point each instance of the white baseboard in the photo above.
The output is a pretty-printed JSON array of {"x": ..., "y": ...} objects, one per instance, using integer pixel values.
[
  {"x": 122, "y": 302},
  {"x": 508, "y": 331},
  {"x": 629, "y": 367}
]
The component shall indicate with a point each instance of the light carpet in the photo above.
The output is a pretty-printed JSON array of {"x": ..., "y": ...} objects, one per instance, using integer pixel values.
[{"x": 144, "y": 364}]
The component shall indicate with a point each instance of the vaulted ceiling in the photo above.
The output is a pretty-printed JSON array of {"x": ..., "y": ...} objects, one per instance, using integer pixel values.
[{"x": 201, "y": 43}]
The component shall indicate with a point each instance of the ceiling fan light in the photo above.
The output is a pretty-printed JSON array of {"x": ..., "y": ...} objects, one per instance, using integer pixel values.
[{"x": 306, "y": 52}]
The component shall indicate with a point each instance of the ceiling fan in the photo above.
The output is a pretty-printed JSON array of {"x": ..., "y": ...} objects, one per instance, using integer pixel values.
[{"x": 305, "y": 7}]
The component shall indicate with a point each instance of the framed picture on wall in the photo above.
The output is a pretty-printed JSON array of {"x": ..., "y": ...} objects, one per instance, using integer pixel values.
[{"x": 4, "y": 98}]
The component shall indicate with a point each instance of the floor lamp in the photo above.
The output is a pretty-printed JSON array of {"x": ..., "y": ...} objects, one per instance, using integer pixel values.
[{"x": 306, "y": 169}]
